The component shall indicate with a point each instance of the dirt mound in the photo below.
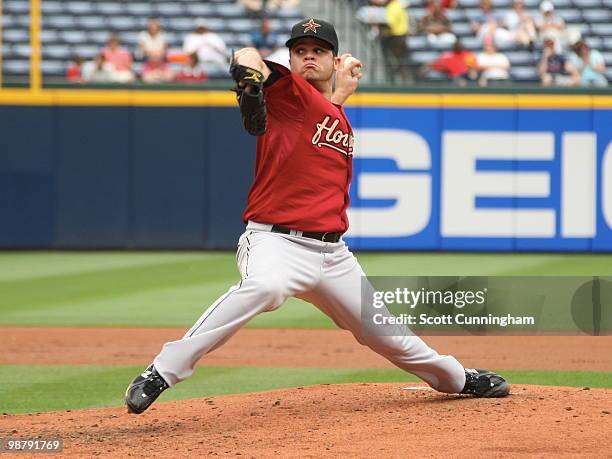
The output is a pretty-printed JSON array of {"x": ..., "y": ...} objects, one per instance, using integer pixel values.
[
  {"x": 281, "y": 348},
  {"x": 351, "y": 420}
]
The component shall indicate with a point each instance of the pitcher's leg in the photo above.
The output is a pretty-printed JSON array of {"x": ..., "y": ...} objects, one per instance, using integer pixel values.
[
  {"x": 217, "y": 325},
  {"x": 339, "y": 296},
  {"x": 272, "y": 269}
]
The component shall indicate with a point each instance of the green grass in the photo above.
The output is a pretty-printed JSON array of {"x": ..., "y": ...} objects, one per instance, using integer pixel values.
[
  {"x": 26, "y": 388},
  {"x": 174, "y": 288}
]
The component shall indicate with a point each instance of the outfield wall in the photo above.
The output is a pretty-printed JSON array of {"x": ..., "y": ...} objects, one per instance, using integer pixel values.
[{"x": 89, "y": 169}]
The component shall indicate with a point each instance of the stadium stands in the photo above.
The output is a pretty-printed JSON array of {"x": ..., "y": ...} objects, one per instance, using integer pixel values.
[
  {"x": 82, "y": 27},
  {"x": 592, "y": 17}
]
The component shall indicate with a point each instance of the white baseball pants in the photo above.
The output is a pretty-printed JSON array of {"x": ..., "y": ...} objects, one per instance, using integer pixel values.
[{"x": 276, "y": 266}]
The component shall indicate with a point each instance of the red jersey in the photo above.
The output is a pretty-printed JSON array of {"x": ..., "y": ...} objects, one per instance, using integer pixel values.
[
  {"x": 455, "y": 64},
  {"x": 304, "y": 163}
]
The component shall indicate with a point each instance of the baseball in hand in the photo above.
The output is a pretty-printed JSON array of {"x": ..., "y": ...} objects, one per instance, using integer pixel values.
[{"x": 349, "y": 61}]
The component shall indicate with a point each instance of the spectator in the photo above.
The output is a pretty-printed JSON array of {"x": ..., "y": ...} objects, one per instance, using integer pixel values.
[
  {"x": 120, "y": 60},
  {"x": 494, "y": 66},
  {"x": 192, "y": 71},
  {"x": 156, "y": 70},
  {"x": 73, "y": 73},
  {"x": 488, "y": 27},
  {"x": 211, "y": 49},
  {"x": 395, "y": 49},
  {"x": 153, "y": 41},
  {"x": 554, "y": 68},
  {"x": 520, "y": 24},
  {"x": 589, "y": 64},
  {"x": 98, "y": 70},
  {"x": 550, "y": 25},
  {"x": 437, "y": 27},
  {"x": 459, "y": 64},
  {"x": 264, "y": 40}
]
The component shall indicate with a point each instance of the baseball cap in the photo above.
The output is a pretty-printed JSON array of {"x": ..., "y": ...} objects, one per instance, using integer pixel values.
[
  {"x": 200, "y": 22},
  {"x": 546, "y": 6},
  {"x": 314, "y": 28}
]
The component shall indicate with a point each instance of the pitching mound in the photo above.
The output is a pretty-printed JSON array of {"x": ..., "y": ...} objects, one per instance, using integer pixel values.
[{"x": 352, "y": 420}]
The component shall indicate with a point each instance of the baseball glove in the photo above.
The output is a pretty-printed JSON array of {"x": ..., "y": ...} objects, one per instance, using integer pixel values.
[{"x": 249, "y": 92}]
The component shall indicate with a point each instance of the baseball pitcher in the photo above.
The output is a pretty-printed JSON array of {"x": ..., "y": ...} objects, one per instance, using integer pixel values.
[{"x": 295, "y": 218}]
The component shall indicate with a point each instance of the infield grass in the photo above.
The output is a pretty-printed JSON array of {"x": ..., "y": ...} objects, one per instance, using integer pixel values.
[
  {"x": 148, "y": 289},
  {"x": 26, "y": 389}
]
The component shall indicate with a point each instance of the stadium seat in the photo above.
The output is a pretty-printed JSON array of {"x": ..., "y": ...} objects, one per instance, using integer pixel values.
[
  {"x": 231, "y": 10},
  {"x": 524, "y": 73},
  {"x": 469, "y": 3},
  {"x": 242, "y": 25},
  {"x": 294, "y": 13},
  {"x": 91, "y": 22},
  {"x": 166, "y": 9},
  {"x": 570, "y": 15},
  {"x": 17, "y": 6},
  {"x": 598, "y": 16},
  {"x": 109, "y": 8},
  {"x": 594, "y": 42},
  {"x": 532, "y": 5},
  {"x": 502, "y": 4},
  {"x": 55, "y": 68},
  {"x": 120, "y": 23},
  {"x": 587, "y": 3},
  {"x": 181, "y": 24},
  {"x": 200, "y": 9},
  {"x": 73, "y": 36},
  {"x": 417, "y": 42},
  {"x": 17, "y": 67},
  {"x": 9, "y": 21},
  {"x": 86, "y": 51},
  {"x": 456, "y": 16},
  {"x": 21, "y": 50},
  {"x": 7, "y": 51},
  {"x": 139, "y": 9},
  {"x": 520, "y": 57},
  {"x": 51, "y": 7},
  {"x": 99, "y": 37},
  {"x": 462, "y": 29},
  {"x": 15, "y": 35},
  {"x": 49, "y": 36},
  {"x": 604, "y": 30},
  {"x": 62, "y": 22},
  {"x": 57, "y": 51},
  {"x": 130, "y": 37},
  {"x": 79, "y": 8},
  {"x": 237, "y": 40},
  {"x": 472, "y": 43},
  {"x": 216, "y": 24}
]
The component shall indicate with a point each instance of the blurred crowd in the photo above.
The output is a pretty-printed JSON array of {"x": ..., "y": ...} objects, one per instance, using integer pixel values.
[
  {"x": 565, "y": 59},
  {"x": 203, "y": 55}
]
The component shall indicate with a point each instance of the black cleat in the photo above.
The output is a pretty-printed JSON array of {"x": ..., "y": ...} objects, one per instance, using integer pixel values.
[
  {"x": 144, "y": 390},
  {"x": 484, "y": 383}
]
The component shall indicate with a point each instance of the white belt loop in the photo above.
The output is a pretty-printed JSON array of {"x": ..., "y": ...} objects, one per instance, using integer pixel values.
[{"x": 251, "y": 225}]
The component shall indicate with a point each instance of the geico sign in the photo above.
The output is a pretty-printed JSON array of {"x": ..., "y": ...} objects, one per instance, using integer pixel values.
[{"x": 461, "y": 183}]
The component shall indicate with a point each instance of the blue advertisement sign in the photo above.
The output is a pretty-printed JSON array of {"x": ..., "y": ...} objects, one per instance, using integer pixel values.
[{"x": 481, "y": 179}]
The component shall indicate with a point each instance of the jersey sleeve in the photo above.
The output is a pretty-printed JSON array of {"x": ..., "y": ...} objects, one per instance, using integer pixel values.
[{"x": 287, "y": 96}]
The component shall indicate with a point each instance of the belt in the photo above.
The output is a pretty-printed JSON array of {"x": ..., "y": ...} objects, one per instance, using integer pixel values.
[{"x": 324, "y": 237}]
